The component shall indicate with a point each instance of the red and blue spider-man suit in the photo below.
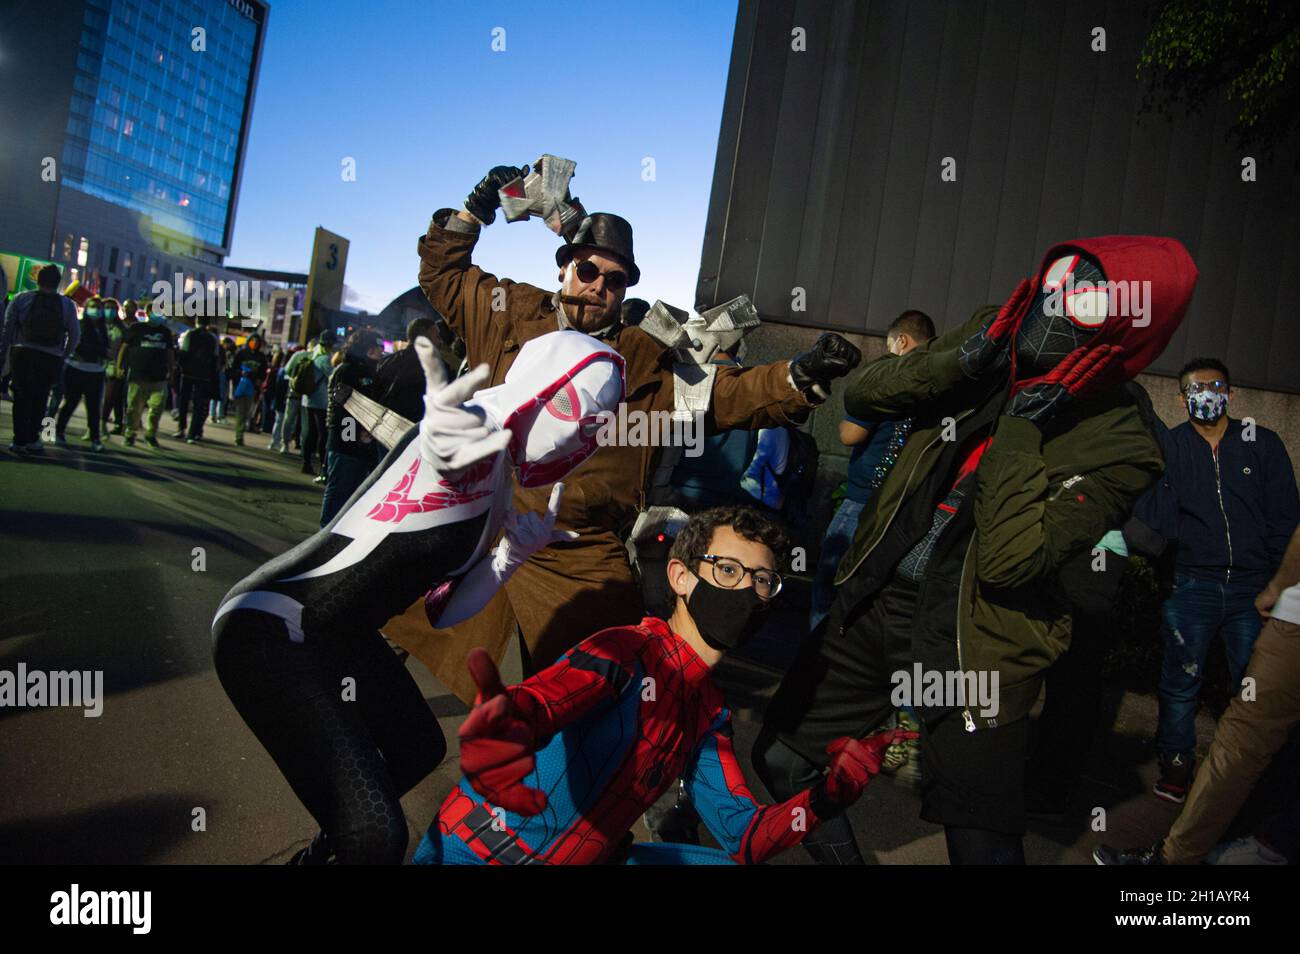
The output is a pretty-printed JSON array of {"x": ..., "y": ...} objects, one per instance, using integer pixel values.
[{"x": 560, "y": 767}]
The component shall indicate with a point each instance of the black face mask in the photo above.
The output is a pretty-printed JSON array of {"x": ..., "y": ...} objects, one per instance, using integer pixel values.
[
  {"x": 1050, "y": 329},
  {"x": 726, "y": 619}
]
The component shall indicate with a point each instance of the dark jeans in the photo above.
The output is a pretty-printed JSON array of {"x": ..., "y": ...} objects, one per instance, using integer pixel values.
[
  {"x": 194, "y": 400},
  {"x": 313, "y": 444},
  {"x": 1196, "y": 612},
  {"x": 34, "y": 373},
  {"x": 76, "y": 385},
  {"x": 268, "y": 414},
  {"x": 346, "y": 472}
]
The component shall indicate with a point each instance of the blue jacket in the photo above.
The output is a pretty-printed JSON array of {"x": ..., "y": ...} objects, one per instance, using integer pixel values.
[{"x": 1228, "y": 515}]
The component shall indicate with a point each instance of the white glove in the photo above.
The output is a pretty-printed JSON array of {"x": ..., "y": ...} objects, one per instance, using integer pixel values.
[
  {"x": 453, "y": 437},
  {"x": 526, "y": 533}
]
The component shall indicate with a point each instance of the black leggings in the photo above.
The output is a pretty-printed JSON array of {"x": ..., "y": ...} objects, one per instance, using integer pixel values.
[
  {"x": 76, "y": 385},
  {"x": 344, "y": 721}
]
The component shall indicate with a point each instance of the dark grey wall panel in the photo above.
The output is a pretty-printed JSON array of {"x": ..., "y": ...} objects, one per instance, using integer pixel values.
[{"x": 828, "y": 174}]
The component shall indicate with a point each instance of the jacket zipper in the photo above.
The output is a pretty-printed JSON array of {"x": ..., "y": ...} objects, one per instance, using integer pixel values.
[
  {"x": 1227, "y": 529},
  {"x": 965, "y": 712}
]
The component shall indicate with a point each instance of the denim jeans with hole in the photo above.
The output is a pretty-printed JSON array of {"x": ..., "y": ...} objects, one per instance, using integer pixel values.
[{"x": 1194, "y": 614}]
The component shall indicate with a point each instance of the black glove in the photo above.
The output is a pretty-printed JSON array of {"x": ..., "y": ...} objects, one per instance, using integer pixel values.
[
  {"x": 483, "y": 201},
  {"x": 831, "y": 357}
]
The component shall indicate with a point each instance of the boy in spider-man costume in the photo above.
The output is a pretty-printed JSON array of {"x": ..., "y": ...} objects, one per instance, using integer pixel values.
[{"x": 559, "y": 767}]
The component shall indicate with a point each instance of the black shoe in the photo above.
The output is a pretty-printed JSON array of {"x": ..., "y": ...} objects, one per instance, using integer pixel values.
[
  {"x": 308, "y": 470},
  {"x": 1150, "y": 855},
  {"x": 179, "y": 435},
  {"x": 152, "y": 441},
  {"x": 129, "y": 441},
  {"x": 1175, "y": 778}
]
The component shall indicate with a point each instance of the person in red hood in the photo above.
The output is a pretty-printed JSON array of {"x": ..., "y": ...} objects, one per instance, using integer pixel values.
[{"x": 1025, "y": 449}]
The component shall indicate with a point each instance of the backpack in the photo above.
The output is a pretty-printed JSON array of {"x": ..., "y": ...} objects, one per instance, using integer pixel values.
[
  {"x": 302, "y": 381},
  {"x": 800, "y": 475},
  {"x": 44, "y": 322}
]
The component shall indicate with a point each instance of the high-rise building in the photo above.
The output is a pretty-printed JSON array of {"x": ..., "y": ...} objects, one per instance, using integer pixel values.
[{"x": 125, "y": 128}]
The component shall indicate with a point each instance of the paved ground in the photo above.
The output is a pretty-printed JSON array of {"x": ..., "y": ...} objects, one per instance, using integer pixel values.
[{"x": 97, "y": 571}]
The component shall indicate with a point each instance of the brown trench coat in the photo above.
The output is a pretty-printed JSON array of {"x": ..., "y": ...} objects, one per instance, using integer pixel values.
[{"x": 567, "y": 591}]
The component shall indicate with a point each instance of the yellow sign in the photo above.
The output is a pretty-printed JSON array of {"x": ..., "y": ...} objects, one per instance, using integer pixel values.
[{"x": 329, "y": 258}]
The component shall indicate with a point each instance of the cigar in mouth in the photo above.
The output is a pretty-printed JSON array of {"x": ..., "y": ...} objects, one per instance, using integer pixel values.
[{"x": 581, "y": 303}]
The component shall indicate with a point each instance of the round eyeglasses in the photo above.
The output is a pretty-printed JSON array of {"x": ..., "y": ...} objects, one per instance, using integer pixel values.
[{"x": 728, "y": 573}]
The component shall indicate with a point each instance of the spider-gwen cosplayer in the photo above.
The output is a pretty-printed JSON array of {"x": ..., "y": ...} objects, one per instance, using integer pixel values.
[
  {"x": 560, "y": 767},
  {"x": 297, "y": 643}
]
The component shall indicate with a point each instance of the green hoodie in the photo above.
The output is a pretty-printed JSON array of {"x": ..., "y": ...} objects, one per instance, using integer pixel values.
[{"x": 1042, "y": 497}]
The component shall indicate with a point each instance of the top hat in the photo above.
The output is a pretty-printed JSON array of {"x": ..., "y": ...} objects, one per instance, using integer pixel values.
[{"x": 604, "y": 232}]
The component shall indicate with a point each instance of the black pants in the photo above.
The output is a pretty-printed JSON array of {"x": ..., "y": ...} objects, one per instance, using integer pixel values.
[
  {"x": 313, "y": 445},
  {"x": 194, "y": 400},
  {"x": 343, "y": 720},
  {"x": 34, "y": 373},
  {"x": 76, "y": 385},
  {"x": 841, "y": 685},
  {"x": 1074, "y": 682}
]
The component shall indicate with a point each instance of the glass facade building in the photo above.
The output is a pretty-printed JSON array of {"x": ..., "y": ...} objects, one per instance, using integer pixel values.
[{"x": 157, "y": 113}]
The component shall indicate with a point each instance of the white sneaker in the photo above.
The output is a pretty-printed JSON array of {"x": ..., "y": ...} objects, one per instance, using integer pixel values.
[
  {"x": 1244, "y": 851},
  {"x": 274, "y": 449}
]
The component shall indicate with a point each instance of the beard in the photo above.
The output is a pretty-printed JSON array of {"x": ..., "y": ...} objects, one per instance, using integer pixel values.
[{"x": 585, "y": 315}]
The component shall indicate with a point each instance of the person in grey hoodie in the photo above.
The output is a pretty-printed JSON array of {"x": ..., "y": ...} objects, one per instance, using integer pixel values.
[{"x": 40, "y": 331}]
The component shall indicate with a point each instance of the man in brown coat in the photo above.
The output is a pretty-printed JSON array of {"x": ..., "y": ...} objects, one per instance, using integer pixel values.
[{"x": 568, "y": 591}]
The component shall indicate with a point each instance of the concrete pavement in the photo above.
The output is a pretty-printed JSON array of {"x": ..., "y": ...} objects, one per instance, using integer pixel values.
[{"x": 98, "y": 572}]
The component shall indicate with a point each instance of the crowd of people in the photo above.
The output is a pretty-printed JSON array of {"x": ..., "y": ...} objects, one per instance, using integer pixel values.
[
  {"x": 130, "y": 368},
  {"x": 1004, "y": 474}
]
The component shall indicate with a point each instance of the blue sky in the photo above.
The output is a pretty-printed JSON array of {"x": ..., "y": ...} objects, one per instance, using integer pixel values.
[{"x": 415, "y": 94}]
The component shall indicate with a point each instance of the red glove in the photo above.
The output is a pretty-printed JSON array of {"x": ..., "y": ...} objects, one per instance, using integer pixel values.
[
  {"x": 855, "y": 761},
  {"x": 498, "y": 742},
  {"x": 1080, "y": 373}
]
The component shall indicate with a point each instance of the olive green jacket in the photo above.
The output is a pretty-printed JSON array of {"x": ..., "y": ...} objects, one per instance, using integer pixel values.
[{"x": 1042, "y": 496}]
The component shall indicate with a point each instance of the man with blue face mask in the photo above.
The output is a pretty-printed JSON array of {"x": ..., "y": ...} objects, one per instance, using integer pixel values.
[{"x": 1228, "y": 504}]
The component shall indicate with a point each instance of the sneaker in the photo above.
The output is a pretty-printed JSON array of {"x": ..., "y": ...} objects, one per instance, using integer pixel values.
[
  {"x": 1150, "y": 855},
  {"x": 96, "y": 446},
  {"x": 1175, "y": 777},
  {"x": 1244, "y": 851},
  {"x": 191, "y": 440},
  {"x": 85, "y": 437},
  {"x": 152, "y": 441},
  {"x": 275, "y": 449},
  {"x": 129, "y": 441},
  {"x": 16, "y": 448},
  {"x": 117, "y": 429},
  {"x": 179, "y": 435},
  {"x": 36, "y": 447},
  {"x": 309, "y": 470},
  {"x": 60, "y": 441},
  {"x": 285, "y": 450},
  {"x": 320, "y": 479},
  {"x": 239, "y": 442}
]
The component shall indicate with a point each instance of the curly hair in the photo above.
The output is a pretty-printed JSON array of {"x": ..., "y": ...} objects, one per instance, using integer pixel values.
[{"x": 747, "y": 522}]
